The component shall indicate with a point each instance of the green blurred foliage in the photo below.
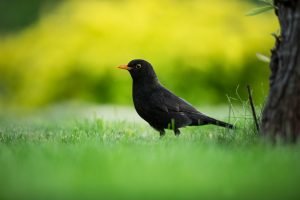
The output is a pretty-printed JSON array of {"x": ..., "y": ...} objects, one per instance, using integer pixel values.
[{"x": 202, "y": 50}]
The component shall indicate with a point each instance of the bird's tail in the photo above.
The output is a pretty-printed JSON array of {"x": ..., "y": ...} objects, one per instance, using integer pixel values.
[
  {"x": 203, "y": 119},
  {"x": 221, "y": 123}
]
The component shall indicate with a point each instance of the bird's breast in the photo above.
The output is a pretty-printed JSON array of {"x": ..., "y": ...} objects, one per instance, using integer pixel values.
[{"x": 141, "y": 101}]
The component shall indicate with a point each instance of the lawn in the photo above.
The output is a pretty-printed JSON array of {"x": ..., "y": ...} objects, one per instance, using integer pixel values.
[{"x": 53, "y": 156}]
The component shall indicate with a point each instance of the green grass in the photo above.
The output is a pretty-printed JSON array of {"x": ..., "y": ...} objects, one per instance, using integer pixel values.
[{"x": 51, "y": 157}]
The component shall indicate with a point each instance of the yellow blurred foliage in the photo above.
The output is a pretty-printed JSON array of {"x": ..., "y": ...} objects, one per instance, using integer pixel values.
[{"x": 95, "y": 36}]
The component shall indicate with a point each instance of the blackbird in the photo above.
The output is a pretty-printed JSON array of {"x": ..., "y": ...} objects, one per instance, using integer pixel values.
[{"x": 158, "y": 106}]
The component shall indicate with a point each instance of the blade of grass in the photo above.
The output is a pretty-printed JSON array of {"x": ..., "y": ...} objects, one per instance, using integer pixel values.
[
  {"x": 263, "y": 58},
  {"x": 259, "y": 10}
]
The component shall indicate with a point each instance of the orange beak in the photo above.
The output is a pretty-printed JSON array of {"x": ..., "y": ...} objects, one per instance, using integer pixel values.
[{"x": 124, "y": 67}]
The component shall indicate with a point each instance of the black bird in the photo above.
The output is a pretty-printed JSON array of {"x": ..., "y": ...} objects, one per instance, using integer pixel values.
[{"x": 158, "y": 106}]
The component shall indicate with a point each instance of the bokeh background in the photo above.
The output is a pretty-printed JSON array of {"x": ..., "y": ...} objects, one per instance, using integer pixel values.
[{"x": 62, "y": 51}]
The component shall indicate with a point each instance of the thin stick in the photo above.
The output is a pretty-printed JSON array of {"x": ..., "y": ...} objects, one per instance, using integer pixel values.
[{"x": 252, "y": 107}]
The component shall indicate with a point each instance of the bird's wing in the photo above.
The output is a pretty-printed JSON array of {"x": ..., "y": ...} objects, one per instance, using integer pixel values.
[{"x": 168, "y": 102}]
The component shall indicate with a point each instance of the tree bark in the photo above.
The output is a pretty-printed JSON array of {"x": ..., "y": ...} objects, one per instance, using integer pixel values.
[{"x": 281, "y": 115}]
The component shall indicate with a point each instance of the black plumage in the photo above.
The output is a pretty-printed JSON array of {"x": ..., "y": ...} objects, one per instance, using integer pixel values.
[{"x": 160, "y": 107}]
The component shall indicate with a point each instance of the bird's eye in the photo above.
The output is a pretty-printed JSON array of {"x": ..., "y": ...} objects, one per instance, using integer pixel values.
[{"x": 138, "y": 66}]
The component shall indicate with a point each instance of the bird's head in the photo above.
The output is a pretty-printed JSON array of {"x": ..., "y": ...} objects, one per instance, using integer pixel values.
[{"x": 140, "y": 70}]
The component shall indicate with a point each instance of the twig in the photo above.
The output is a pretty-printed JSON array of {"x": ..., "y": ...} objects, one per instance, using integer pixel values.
[{"x": 252, "y": 107}]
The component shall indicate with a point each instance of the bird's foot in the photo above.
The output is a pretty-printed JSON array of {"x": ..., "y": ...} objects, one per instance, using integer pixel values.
[
  {"x": 177, "y": 132},
  {"x": 162, "y": 133}
]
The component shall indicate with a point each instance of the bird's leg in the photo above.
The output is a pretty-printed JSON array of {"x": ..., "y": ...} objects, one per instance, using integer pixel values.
[
  {"x": 162, "y": 133},
  {"x": 177, "y": 132}
]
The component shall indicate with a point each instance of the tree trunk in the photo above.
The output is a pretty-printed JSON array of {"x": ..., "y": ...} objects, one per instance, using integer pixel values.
[{"x": 281, "y": 115}]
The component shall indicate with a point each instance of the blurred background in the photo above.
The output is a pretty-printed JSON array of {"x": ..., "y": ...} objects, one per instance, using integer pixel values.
[{"x": 67, "y": 51}]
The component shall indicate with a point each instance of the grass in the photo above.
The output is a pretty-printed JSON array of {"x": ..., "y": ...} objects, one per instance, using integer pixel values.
[{"x": 48, "y": 156}]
